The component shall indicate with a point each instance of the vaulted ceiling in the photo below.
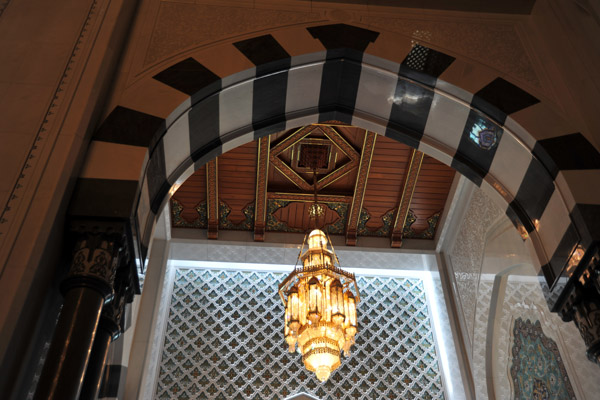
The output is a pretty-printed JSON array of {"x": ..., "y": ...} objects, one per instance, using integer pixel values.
[{"x": 370, "y": 185}]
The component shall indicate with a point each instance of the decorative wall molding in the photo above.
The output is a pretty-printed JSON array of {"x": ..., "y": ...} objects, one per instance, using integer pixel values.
[
  {"x": 466, "y": 255},
  {"x": 47, "y": 133}
]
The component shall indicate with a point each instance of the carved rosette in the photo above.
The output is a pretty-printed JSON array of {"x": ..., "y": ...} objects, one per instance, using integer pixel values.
[{"x": 94, "y": 262}]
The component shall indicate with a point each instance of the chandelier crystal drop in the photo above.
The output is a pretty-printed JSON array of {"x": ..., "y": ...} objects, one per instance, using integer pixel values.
[{"x": 320, "y": 307}]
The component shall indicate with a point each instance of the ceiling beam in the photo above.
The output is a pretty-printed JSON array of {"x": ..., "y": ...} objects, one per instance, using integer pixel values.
[
  {"x": 360, "y": 187},
  {"x": 410, "y": 182},
  {"x": 308, "y": 197},
  {"x": 212, "y": 199},
  {"x": 260, "y": 203}
]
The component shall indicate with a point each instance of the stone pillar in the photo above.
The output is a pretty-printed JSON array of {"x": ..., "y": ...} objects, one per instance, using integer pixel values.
[
  {"x": 110, "y": 327},
  {"x": 87, "y": 287}
]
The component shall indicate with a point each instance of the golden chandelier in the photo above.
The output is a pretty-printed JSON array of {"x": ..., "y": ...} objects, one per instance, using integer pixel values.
[{"x": 320, "y": 308}]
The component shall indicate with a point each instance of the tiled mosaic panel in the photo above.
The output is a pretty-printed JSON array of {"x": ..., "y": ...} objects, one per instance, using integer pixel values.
[
  {"x": 224, "y": 340},
  {"x": 537, "y": 367}
]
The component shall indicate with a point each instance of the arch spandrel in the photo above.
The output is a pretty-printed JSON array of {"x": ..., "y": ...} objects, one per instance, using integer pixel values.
[{"x": 373, "y": 93}]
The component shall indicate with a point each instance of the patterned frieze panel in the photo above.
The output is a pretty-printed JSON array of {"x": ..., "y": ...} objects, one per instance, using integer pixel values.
[
  {"x": 201, "y": 221},
  {"x": 472, "y": 39},
  {"x": 224, "y": 340},
  {"x": 246, "y": 225},
  {"x": 409, "y": 233},
  {"x": 484, "y": 295},
  {"x": 336, "y": 214},
  {"x": 466, "y": 255},
  {"x": 387, "y": 221}
]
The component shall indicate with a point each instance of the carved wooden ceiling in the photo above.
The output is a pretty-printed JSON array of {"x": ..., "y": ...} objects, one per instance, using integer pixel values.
[{"x": 370, "y": 186}]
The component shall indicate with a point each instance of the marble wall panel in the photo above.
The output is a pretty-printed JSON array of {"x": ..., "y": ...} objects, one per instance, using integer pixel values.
[{"x": 466, "y": 255}]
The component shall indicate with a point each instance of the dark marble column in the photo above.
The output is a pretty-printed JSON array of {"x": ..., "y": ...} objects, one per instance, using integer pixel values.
[
  {"x": 95, "y": 369},
  {"x": 110, "y": 327},
  {"x": 87, "y": 287}
]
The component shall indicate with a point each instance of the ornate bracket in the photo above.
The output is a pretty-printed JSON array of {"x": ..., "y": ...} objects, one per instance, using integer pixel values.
[{"x": 580, "y": 301}]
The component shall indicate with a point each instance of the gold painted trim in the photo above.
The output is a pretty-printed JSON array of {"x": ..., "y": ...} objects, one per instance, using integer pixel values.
[
  {"x": 299, "y": 197},
  {"x": 360, "y": 188},
  {"x": 410, "y": 183},
  {"x": 212, "y": 198},
  {"x": 292, "y": 138},
  {"x": 303, "y": 185},
  {"x": 331, "y": 133},
  {"x": 262, "y": 178}
]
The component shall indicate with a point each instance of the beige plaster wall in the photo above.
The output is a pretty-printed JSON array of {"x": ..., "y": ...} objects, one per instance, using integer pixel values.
[
  {"x": 55, "y": 60},
  {"x": 37, "y": 40}
]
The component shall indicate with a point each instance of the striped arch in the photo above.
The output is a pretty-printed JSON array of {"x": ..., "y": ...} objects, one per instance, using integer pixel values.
[{"x": 494, "y": 133}]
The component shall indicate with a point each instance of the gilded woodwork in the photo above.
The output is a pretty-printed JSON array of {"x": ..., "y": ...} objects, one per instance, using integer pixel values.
[
  {"x": 382, "y": 231},
  {"x": 407, "y": 192},
  {"x": 263, "y": 200},
  {"x": 334, "y": 219},
  {"x": 334, "y": 137},
  {"x": 179, "y": 221},
  {"x": 409, "y": 233},
  {"x": 246, "y": 225},
  {"x": 212, "y": 199},
  {"x": 262, "y": 172},
  {"x": 308, "y": 197},
  {"x": 360, "y": 187}
]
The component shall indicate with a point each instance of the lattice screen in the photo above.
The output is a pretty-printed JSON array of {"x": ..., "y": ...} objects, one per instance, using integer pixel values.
[{"x": 224, "y": 340}]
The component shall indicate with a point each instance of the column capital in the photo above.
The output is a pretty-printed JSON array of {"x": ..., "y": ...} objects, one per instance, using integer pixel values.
[{"x": 98, "y": 251}]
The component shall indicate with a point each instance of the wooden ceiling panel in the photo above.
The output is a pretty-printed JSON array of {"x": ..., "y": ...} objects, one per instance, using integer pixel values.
[
  {"x": 431, "y": 191},
  {"x": 289, "y": 189},
  {"x": 192, "y": 192},
  {"x": 387, "y": 174},
  {"x": 237, "y": 180}
]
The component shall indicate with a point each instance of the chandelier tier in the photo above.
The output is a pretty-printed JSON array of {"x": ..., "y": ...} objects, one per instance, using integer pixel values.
[{"x": 320, "y": 307}]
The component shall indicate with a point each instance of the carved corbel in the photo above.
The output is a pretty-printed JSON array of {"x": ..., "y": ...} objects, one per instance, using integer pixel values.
[{"x": 580, "y": 302}]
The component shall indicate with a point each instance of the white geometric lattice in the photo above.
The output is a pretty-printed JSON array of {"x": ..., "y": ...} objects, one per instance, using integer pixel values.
[{"x": 224, "y": 340}]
